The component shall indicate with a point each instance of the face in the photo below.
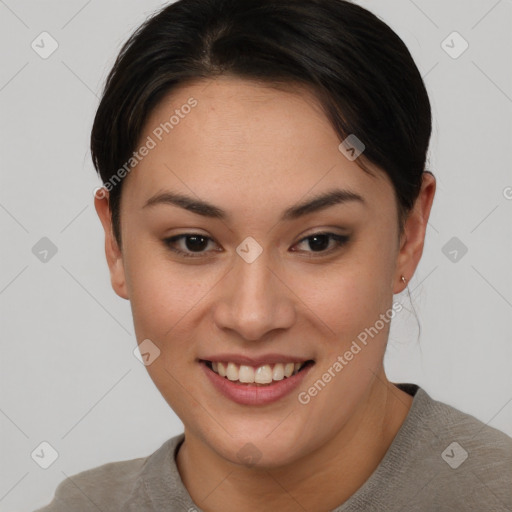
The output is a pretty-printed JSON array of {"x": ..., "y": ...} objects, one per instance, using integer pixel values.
[{"x": 251, "y": 278}]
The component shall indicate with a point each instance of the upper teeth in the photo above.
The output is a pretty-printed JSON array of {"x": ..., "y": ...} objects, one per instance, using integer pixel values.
[{"x": 263, "y": 374}]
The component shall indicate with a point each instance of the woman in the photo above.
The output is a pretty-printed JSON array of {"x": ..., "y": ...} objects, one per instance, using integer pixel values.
[{"x": 264, "y": 197}]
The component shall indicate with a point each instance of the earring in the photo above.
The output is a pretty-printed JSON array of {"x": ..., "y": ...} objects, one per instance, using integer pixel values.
[{"x": 404, "y": 280}]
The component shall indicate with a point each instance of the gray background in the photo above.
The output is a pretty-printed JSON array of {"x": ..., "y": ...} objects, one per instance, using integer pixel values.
[{"x": 68, "y": 374}]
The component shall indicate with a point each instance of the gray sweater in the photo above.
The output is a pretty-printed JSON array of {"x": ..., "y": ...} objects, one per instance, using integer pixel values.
[{"x": 440, "y": 460}]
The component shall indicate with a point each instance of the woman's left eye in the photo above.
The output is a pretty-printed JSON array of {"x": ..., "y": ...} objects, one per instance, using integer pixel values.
[
  {"x": 320, "y": 241},
  {"x": 193, "y": 244}
]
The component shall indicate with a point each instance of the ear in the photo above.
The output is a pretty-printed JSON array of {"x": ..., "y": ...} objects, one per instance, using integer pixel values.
[
  {"x": 112, "y": 249},
  {"x": 413, "y": 237}
]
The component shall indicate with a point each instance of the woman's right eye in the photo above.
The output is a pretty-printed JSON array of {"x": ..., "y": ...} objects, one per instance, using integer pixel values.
[{"x": 190, "y": 243}]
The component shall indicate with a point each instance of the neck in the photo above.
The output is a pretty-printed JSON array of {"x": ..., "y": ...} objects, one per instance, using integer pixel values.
[{"x": 322, "y": 480}]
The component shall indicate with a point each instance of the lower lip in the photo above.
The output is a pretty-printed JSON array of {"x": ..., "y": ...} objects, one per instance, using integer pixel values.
[{"x": 246, "y": 394}]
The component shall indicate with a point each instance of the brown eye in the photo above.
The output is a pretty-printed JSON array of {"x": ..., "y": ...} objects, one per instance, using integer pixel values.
[
  {"x": 190, "y": 243},
  {"x": 320, "y": 242}
]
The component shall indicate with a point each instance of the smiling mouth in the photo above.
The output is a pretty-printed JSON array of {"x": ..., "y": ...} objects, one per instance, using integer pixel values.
[{"x": 263, "y": 375}]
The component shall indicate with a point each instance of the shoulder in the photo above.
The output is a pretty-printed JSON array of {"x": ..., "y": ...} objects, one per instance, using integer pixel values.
[
  {"x": 110, "y": 486},
  {"x": 482, "y": 441},
  {"x": 468, "y": 462}
]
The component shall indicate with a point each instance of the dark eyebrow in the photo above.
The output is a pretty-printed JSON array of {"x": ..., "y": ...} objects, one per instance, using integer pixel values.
[{"x": 319, "y": 202}]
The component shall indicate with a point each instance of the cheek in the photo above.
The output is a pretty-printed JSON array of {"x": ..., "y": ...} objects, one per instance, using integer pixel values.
[
  {"x": 163, "y": 300},
  {"x": 353, "y": 293},
  {"x": 160, "y": 292},
  {"x": 350, "y": 299}
]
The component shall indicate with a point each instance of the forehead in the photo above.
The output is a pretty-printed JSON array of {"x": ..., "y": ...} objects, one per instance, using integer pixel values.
[{"x": 217, "y": 137}]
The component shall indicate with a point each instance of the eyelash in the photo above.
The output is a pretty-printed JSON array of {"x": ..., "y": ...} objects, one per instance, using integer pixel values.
[{"x": 340, "y": 241}]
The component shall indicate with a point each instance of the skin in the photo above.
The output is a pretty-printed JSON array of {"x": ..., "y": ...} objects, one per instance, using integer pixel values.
[{"x": 253, "y": 151}]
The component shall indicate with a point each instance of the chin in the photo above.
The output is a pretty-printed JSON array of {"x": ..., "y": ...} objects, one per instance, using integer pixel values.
[{"x": 258, "y": 447}]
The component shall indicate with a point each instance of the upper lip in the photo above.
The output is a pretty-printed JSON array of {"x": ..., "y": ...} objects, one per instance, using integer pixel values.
[{"x": 254, "y": 361}]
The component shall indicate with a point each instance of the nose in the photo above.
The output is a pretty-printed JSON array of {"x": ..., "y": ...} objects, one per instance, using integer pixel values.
[{"x": 254, "y": 301}]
